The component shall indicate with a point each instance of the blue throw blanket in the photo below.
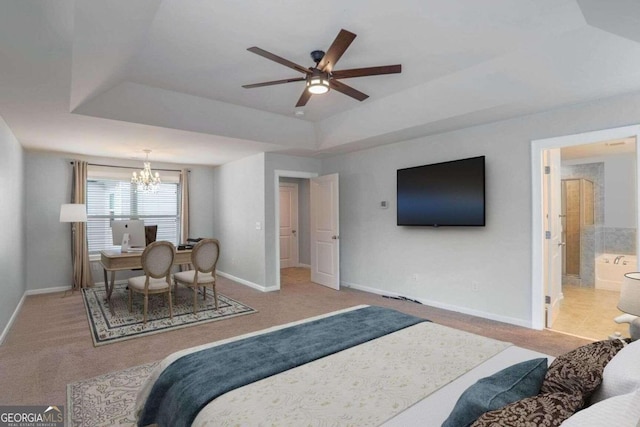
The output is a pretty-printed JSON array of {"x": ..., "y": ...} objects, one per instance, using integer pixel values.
[{"x": 192, "y": 381}]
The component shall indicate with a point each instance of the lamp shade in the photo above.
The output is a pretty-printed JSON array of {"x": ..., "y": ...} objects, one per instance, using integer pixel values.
[
  {"x": 630, "y": 294},
  {"x": 73, "y": 212}
]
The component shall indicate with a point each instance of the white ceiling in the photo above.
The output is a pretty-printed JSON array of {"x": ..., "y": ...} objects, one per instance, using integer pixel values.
[
  {"x": 113, "y": 77},
  {"x": 625, "y": 146}
]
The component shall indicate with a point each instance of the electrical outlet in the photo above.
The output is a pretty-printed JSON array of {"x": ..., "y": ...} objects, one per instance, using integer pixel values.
[
  {"x": 414, "y": 277},
  {"x": 475, "y": 286}
]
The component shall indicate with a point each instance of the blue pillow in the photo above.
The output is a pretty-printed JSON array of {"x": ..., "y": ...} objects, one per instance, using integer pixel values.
[{"x": 509, "y": 385}]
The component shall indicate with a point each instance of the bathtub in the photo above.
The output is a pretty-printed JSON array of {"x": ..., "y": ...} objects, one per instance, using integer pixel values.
[{"x": 609, "y": 275}]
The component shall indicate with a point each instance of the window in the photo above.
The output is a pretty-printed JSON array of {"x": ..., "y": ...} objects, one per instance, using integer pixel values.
[{"x": 111, "y": 196}]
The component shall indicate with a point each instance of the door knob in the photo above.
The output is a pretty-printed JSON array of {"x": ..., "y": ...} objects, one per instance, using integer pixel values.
[
  {"x": 293, "y": 231},
  {"x": 561, "y": 244},
  {"x": 334, "y": 237}
]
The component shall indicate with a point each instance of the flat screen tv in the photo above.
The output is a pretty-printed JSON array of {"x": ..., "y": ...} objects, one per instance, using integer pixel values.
[{"x": 442, "y": 194}]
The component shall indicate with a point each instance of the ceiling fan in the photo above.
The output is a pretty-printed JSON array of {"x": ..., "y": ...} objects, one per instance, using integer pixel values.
[{"x": 322, "y": 76}]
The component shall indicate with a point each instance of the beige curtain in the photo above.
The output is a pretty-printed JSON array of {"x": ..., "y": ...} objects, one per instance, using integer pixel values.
[
  {"x": 184, "y": 205},
  {"x": 80, "y": 248}
]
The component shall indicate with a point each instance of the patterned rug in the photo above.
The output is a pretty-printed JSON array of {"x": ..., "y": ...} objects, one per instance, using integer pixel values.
[
  {"x": 122, "y": 325},
  {"x": 106, "y": 400}
]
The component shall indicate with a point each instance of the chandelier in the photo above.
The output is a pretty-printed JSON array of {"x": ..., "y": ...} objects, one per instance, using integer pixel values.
[{"x": 146, "y": 180}]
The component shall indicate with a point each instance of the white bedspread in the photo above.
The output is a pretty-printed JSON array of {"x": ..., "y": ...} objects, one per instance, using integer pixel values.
[{"x": 361, "y": 386}]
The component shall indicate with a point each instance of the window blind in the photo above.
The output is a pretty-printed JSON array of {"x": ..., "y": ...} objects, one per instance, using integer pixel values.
[{"x": 112, "y": 196}]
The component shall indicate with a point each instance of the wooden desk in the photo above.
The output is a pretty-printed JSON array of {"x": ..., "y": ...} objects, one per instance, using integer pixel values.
[{"x": 118, "y": 261}]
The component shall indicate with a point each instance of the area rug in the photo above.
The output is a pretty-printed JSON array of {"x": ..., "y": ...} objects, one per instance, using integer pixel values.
[
  {"x": 122, "y": 325},
  {"x": 106, "y": 400}
]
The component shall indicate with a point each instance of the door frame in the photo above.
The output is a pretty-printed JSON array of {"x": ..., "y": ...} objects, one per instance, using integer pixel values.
[
  {"x": 294, "y": 186},
  {"x": 275, "y": 244},
  {"x": 552, "y": 261},
  {"x": 537, "y": 230}
]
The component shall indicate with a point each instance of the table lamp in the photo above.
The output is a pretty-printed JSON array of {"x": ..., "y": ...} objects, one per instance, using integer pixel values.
[{"x": 630, "y": 304}]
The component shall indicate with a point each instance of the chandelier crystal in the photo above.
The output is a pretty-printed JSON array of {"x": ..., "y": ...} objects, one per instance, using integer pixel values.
[{"x": 146, "y": 180}]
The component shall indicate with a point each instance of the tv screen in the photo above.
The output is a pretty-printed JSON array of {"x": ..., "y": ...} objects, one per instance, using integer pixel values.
[{"x": 442, "y": 194}]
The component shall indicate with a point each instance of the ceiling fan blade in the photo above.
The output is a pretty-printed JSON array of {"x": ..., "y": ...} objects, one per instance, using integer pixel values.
[
  {"x": 279, "y": 60},
  {"x": 335, "y": 51},
  {"x": 274, "y": 82},
  {"x": 347, "y": 90},
  {"x": 304, "y": 98},
  {"x": 369, "y": 71}
]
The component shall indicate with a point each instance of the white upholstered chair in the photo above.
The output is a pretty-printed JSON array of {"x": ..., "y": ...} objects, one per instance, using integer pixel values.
[
  {"x": 204, "y": 258},
  {"x": 157, "y": 260}
]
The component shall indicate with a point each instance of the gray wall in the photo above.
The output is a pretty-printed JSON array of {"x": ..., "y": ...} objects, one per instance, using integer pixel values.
[
  {"x": 12, "y": 217},
  {"x": 48, "y": 242},
  {"x": 48, "y": 183},
  {"x": 239, "y": 206},
  {"x": 450, "y": 262},
  {"x": 619, "y": 188},
  {"x": 202, "y": 207},
  {"x": 620, "y": 191},
  {"x": 304, "y": 218}
]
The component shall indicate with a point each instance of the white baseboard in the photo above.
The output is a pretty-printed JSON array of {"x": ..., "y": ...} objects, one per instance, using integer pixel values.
[
  {"x": 47, "y": 290},
  {"x": 304, "y": 266},
  {"x": 12, "y": 318},
  {"x": 444, "y": 306},
  {"x": 19, "y": 306},
  {"x": 246, "y": 282}
]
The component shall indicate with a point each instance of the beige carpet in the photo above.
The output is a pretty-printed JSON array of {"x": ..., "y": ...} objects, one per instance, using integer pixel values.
[{"x": 49, "y": 344}]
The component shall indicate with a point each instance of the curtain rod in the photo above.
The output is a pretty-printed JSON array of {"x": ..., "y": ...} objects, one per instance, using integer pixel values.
[{"x": 132, "y": 167}]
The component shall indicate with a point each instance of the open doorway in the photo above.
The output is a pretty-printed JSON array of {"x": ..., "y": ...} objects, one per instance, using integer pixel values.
[
  {"x": 596, "y": 208},
  {"x": 294, "y": 238},
  {"x": 598, "y": 216},
  {"x": 324, "y": 227}
]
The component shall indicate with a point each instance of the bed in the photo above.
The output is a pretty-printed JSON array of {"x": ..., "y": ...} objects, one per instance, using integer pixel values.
[{"x": 392, "y": 369}]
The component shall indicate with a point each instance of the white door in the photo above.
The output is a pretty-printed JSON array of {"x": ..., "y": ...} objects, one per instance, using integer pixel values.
[
  {"x": 288, "y": 225},
  {"x": 325, "y": 237},
  {"x": 553, "y": 234}
]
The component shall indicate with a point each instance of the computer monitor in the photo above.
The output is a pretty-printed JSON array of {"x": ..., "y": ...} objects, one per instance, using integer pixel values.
[{"x": 135, "y": 228}]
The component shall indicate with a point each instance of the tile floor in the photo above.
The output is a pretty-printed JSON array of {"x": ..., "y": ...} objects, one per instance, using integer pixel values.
[{"x": 589, "y": 313}]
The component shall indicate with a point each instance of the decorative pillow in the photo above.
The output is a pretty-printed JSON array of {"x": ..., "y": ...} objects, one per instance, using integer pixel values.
[
  {"x": 618, "y": 411},
  {"x": 580, "y": 371},
  {"x": 543, "y": 410},
  {"x": 506, "y": 386},
  {"x": 621, "y": 375}
]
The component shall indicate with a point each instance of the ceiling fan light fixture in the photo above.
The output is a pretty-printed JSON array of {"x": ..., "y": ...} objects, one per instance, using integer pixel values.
[{"x": 318, "y": 82}]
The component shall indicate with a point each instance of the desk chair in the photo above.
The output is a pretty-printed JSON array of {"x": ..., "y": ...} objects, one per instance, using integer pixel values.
[
  {"x": 204, "y": 258},
  {"x": 157, "y": 260}
]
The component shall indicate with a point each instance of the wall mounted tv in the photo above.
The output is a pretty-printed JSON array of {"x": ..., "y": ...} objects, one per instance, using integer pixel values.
[{"x": 442, "y": 194}]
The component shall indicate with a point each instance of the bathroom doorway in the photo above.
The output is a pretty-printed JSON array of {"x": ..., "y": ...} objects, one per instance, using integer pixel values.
[{"x": 598, "y": 216}]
